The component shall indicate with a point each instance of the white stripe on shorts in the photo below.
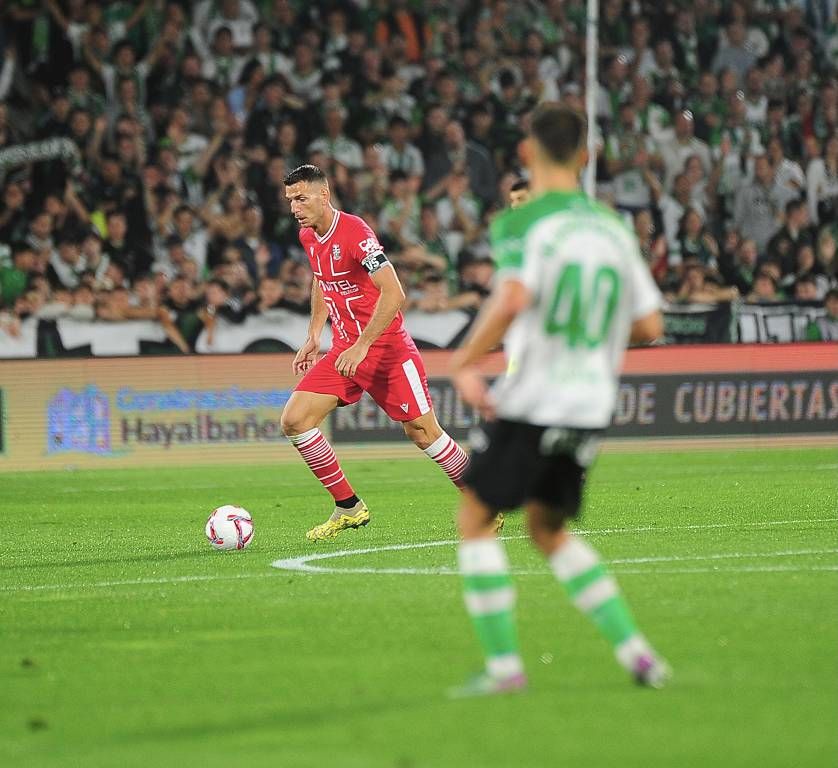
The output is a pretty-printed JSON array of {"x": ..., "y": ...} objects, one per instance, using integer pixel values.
[{"x": 409, "y": 368}]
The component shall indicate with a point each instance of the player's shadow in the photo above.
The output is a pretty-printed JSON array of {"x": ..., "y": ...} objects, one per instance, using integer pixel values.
[
  {"x": 304, "y": 718},
  {"x": 161, "y": 556}
]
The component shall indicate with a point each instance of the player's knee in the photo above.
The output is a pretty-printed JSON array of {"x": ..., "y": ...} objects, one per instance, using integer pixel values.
[
  {"x": 423, "y": 432},
  {"x": 546, "y": 526},
  {"x": 475, "y": 516},
  {"x": 292, "y": 422},
  {"x": 417, "y": 434}
]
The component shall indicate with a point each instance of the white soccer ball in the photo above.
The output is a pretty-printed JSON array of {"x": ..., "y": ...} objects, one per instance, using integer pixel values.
[{"x": 229, "y": 527}]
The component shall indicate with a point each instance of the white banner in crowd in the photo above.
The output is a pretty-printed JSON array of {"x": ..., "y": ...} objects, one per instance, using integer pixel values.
[
  {"x": 23, "y": 344},
  {"x": 290, "y": 328},
  {"x": 436, "y": 329},
  {"x": 756, "y": 323},
  {"x": 773, "y": 323},
  {"x": 109, "y": 338}
]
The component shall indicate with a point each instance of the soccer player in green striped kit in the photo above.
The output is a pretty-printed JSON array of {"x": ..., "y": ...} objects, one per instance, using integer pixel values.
[{"x": 571, "y": 292}]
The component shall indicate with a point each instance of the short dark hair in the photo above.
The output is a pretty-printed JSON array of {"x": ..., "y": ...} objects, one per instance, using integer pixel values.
[
  {"x": 222, "y": 284},
  {"x": 519, "y": 184},
  {"x": 832, "y": 293},
  {"x": 559, "y": 130},
  {"x": 792, "y": 206},
  {"x": 21, "y": 247},
  {"x": 307, "y": 172}
]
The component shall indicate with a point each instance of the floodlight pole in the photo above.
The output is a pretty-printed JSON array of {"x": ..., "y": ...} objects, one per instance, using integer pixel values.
[{"x": 591, "y": 88}]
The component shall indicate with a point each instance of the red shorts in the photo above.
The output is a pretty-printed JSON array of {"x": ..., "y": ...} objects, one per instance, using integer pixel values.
[{"x": 392, "y": 373}]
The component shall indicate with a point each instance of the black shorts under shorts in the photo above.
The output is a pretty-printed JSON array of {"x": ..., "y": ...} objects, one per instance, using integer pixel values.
[{"x": 513, "y": 463}]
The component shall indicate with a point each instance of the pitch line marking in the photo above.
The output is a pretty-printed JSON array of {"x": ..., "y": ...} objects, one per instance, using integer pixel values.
[
  {"x": 302, "y": 564},
  {"x": 282, "y": 564}
]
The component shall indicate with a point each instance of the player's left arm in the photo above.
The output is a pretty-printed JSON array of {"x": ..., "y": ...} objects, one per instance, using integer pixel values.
[
  {"x": 389, "y": 303},
  {"x": 507, "y": 301}
]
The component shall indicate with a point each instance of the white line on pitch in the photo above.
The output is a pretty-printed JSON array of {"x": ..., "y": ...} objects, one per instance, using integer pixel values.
[{"x": 301, "y": 563}]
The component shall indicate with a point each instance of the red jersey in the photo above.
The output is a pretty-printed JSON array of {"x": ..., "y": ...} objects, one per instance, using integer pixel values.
[{"x": 342, "y": 262}]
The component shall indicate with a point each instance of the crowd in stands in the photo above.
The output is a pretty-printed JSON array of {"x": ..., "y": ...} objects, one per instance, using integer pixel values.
[{"x": 717, "y": 128}]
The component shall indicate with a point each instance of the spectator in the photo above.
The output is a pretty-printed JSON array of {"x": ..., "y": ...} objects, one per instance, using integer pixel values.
[
  {"x": 794, "y": 234},
  {"x": 806, "y": 289},
  {"x": 180, "y": 308},
  {"x": 270, "y": 295},
  {"x": 83, "y": 308},
  {"x": 304, "y": 76},
  {"x": 695, "y": 287},
  {"x": 14, "y": 279},
  {"x": 756, "y": 214},
  {"x": 458, "y": 212},
  {"x": 630, "y": 158},
  {"x": 734, "y": 53},
  {"x": 825, "y": 328},
  {"x": 275, "y": 109},
  {"x": 807, "y": 267},
  {"x": 822, "y": 183},
  {"x": 261, "y": 257},
  {"x": 461, "y": 156},
  {"x": 13, "y": 218},
  {"x": 825, "y": 255},
  {"x": 788, "y": 175},
  {"x": 519, "y": 193},
  {"x": 400, "y": 155},
  {"x": 681, "y": 145},
  {"x": 131, "y": 257},
  {"x": 672, "y": 209},
  {"x": 400, "y": 214},
  {"x": 221, "y": 63},
  {"x": 695, "y": 242},
  {"x": 741, "y": 272},
  {"x": 66, "y": 264},
  {"x": 193, "y": 235},
  {"x": 335, "y": 144},
  {"x": 764, "y": 289},
  {"x": 652, "y": 245},
  {"x": 476, "y": 275}
]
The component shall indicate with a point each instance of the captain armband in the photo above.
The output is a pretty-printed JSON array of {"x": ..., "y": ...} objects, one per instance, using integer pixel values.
[{"x": 374, "y": 262}]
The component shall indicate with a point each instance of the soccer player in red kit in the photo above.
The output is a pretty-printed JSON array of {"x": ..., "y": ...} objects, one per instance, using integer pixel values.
[{"x": 356, "y": 287}]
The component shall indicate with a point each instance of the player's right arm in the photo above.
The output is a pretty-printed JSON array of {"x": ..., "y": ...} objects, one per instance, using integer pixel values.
[
  {"x": 512, "y": 294},
  {"x": 306, "y": 356},
  {"x": 646, "y": 319},
  {"x": 647, "y": 329}
]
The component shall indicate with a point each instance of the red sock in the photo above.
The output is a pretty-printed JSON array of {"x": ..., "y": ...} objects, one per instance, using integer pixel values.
[
  {"x": 321, "y": 459},
  {"x": 447, "y": 453}
]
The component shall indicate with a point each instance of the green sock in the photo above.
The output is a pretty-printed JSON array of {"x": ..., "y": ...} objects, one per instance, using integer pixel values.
[
  {"x": 593, "y": 590},
  {"x": 490, "y": 602}
]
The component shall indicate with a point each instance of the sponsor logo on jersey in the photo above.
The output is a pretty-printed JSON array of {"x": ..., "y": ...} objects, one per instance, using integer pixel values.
[
  {"x": 404, "y": 407},
  {"x": 336, "y": 252},
  {"x": 341, "y": 286},
  {"x": 370, "y": 245}
]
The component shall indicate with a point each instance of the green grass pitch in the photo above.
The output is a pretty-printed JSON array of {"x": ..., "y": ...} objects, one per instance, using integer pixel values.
[{"x": 126, "y": 641}]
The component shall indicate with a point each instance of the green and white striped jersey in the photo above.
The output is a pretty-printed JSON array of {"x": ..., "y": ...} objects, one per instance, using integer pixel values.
[{"x": 589, "y": 283}]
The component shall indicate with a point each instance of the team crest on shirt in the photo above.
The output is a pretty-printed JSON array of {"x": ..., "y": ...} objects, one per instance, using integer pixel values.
[{"x": 336, "y": 252}]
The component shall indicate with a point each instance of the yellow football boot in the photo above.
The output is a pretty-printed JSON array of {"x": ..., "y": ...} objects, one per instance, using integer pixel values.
[{"x": 341, "y": 519}]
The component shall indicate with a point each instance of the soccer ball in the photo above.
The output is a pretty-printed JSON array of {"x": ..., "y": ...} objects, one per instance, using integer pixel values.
[{"x": 229, "y": 527}]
